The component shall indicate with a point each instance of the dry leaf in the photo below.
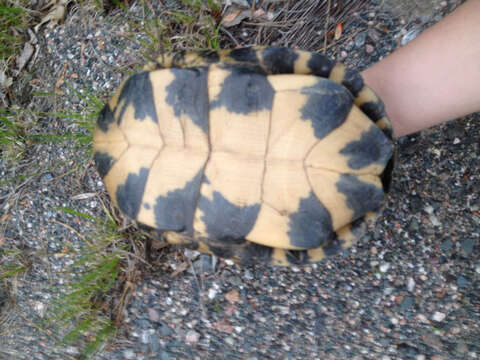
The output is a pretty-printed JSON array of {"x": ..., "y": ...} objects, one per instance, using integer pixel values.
[
  {"x": 55, "y": 15},
  {"x": 59, "y": 81},
  {"x": 235, "y": 17},
  {"x": 5, "y": 81},
  {"x": 181, "y": 268},
  {"x": 4, "y": 217},
  {"x": 260, "y": 13},
  {"x": 233, "y": 296},
  {"x": 158, "y": 244},
  {"x": 338, "y": 31},
  {"x": 25, "y": 56}
]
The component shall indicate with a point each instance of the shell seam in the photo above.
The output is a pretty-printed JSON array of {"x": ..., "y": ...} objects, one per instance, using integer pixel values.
[{"x": 204, "y": 167}]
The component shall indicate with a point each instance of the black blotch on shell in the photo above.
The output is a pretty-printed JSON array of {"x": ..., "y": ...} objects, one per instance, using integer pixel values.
[
  {"x": 224, "y": 220},
  {"x": 103, "y": 162},
  {"x": 327, "y": 107},
  {"x": 179, "y": 58},
  {"x": 137, "y": 91},
  {"x": 244, "y": 91},
  {"x": 187, "y": 94},
  {"x": 245, "y": 55},
  {"x": 210, "y": 56},
  {"x": 373, "y": 147},
  {"x": 358, "y": 227},
  {"x": 105, "y": 118},
  {"x": 129, "y": 195},
  {"x": 320, "y": 65},
  {"x": 375, "y": 110},
  {"x": 332, "y": 248},
  {"x": 279, "y": 60},
  {"x": 175, "y": 210},
  {"x": 311, "y": 226},
  {"x": 361, "y": 197},
  {"x": 353, "y": 81},
  {"x": 388, "y": 132}
]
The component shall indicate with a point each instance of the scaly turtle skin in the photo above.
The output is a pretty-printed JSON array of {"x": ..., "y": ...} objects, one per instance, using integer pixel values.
[{"x": 264, "y": 155}]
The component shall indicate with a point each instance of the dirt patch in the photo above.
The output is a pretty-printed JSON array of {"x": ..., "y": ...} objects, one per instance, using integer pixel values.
[{"x": 416, "y": 10}]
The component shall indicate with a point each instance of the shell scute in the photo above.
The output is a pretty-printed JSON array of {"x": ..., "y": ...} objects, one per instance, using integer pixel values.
[
  {"x": 327, "y": 106},
  {"x": 129, "y": 194},
  {"x": 187, "y": 94}
]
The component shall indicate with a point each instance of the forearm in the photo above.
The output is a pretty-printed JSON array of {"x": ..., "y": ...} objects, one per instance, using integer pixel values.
[{"x": 434, "y": 78}]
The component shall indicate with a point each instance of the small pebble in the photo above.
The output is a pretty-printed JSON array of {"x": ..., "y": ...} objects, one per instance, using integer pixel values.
[
  {"x": 165, "y": 330},
  {"x": 40, "y": 308},
  {"x": 164, "y": 355},
  {"x": 384, "y": 267},
  {"x": 462, "y": 281},
  {"x": 145, "y": 337},
  {"x": 369, "y": 48},
  {"x": 438, "y": 316},
  {"x": 410, "y": 284},
  {"x": 129, "y": 354},
  {"x": 360, "y": 39},
  {"x": 47, "y": 177},
  {"x": 407, "y": 303},
  {"x": 422, "y": 318},
  {"x": 212, "y": 293},
  {"x": 467, "y": 246},
  {"x": 153, "y": 315},
  {"x": 428, "y": 209},
  {"x": 434, "y": 220},
  {"x": 192, "y": 336},
  {"x": 248, "y": 275},
  {"x": 409, "y": 36}
]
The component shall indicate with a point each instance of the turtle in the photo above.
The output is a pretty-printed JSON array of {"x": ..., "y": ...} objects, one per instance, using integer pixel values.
[{"x": 264, "y": 155}]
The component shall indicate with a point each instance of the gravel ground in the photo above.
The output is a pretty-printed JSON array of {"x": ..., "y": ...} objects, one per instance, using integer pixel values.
[{"x": 410, "y": 290}]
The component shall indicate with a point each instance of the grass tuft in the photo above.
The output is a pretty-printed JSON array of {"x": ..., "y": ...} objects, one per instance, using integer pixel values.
[
  {"x": 19, "y": 136},
  {"x": 12, "y": 263},
  {"x": 13, "y": 22},
  {"x": 186, "y": 24},
  {"x": 13, "y": 137},
  {"x": 87, "y": 310}
]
